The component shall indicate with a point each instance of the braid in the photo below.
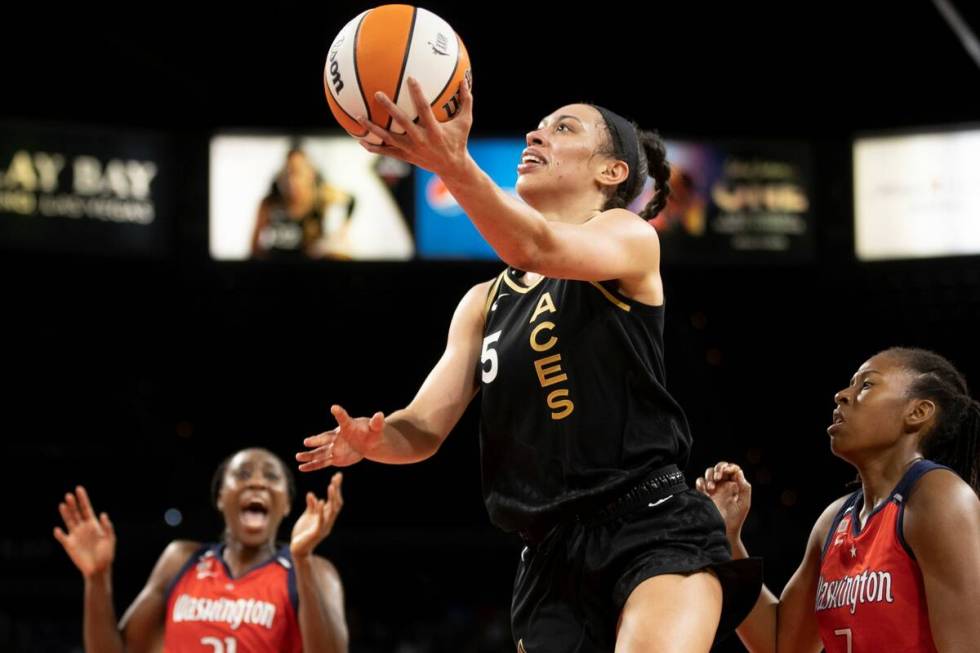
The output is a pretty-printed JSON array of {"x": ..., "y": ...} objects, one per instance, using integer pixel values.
[
  {"x": 953, "y": 441},
  {"x": 653, "y": 163},
  {"x": 655, "y": 153},
  {"x": 954, "y": 437}
]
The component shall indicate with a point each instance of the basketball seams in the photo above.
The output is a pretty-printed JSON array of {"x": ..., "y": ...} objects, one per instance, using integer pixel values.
[
  {"x": 408, "y": 51},
  {"x": 357, "y": 72},
  {"x": 381, "y": 53},
  {"x": 333, "y": 99}
]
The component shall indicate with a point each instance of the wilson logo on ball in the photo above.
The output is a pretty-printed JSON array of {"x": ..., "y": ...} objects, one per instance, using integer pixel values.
[{"x": 378, "y": 51}]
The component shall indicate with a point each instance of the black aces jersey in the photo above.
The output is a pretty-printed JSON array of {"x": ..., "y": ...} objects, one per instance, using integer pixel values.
[{"x": 574, "y": 400}]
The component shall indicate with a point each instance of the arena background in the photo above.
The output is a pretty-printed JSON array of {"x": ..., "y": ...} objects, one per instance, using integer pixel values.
[{"x": 136, "y": 374}]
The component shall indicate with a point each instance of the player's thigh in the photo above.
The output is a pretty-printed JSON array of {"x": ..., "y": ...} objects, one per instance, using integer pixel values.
[{"x": 671, "y": 613}]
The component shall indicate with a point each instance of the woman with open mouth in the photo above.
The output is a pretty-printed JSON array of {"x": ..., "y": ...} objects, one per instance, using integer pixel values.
[{"x": 245, "y": 593}]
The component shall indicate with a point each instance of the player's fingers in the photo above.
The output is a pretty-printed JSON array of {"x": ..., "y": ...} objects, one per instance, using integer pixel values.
[
  {"x": 426, "y": 118},
  {"x": 320, "y": 439},
  {"x": 84, "y": 504},
  {"x": 107, "y": 525}
]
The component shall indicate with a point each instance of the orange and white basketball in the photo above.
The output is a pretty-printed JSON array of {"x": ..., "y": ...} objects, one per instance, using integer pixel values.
[{"x": 378, "y": 51}]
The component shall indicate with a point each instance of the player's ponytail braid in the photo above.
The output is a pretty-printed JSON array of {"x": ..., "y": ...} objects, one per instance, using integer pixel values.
[
  {"x": 652, "y": 157},
  {"x": 954, "y": 438}
]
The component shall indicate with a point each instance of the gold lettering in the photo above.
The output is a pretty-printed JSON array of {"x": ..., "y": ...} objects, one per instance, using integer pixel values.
[
  {"x": 544, "y": 304},
  {"x": 21, "y": 172},
  {"x": 535, "y": 345},
  {"x": 18, "y": 202},
  {"x": 564, "y": 407},
  {"x": 543, "y": 372}
]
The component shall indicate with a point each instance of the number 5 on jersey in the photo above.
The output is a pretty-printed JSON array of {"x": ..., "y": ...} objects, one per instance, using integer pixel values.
[{"x": 488, "y": 355}]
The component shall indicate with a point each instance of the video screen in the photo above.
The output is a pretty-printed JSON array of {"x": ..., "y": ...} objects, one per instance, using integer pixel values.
[
  {"x": 282, "y": 198},
  {"x": 77, "y": 189},
  {"x": 303, "y": 198},
  {"x": 442, "y": 229},
  {"x": 740, "y": 202},
  {"x": 917, "y": 195}
]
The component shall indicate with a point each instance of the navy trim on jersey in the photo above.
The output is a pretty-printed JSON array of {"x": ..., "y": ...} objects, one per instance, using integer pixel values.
[
  {"x": 902, "y": 492},
  {"x": 290, "y": 579},
  {"x": 191, "y": 561},
  {"x": 832, "y": 533},
  {"x": 901, "y": 488},
  {"x": 219, "y": 549}
]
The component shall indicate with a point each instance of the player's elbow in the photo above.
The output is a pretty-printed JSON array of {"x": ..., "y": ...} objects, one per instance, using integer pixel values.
[
  {"x": 427, "y": 444},
  {"x": 423, "y": 435}
]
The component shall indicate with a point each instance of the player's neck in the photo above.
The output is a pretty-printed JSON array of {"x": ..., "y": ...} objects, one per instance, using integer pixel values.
[
  {"x": 880, "y": 475},
  {"x": 241, "y": 557},
  {"x": 570, "y": 210}
]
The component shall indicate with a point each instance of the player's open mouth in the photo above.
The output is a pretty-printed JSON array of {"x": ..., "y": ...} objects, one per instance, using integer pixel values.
[
  {"x": 255, "y": 515},
  {"x": 529, "y": 160},
  {"x": 836, "y": 424}
]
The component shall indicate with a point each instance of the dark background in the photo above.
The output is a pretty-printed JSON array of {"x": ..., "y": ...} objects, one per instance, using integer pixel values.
[{"x": 135, "y": 377}]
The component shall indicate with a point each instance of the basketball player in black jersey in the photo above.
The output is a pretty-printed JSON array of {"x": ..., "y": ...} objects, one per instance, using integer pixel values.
[{"x": 581, "y": 442}]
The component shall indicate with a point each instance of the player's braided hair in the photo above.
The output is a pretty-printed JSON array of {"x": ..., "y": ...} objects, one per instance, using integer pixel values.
[
  {"x": 653, "y": 163},
  {"x": 953, "y": 438}
]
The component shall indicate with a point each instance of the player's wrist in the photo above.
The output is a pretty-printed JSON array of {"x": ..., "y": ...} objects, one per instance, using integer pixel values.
[
  {"x": 100, "y": 578},
  {"x": 738, "y": 547},
  {"x": 459, "y": 170},
  {"x": 302, "y": 560}
]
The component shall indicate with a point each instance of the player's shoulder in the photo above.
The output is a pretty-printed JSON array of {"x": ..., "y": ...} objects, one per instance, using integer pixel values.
[
  {"x": 821, "y": 528},
  {"x": 628, "y": 220},
  {"x": 476, "y": 299},
  {"x": 484, "y": 288},
  {"x": 941, "y": 495},
  {"x": 172, "y": 561},
  {"x": 938, "y": 505},
  {"x": 181, "y": 550}
]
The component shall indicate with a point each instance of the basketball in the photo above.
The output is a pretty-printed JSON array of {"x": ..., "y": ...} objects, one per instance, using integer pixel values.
[{"x": 378, "y": 51}]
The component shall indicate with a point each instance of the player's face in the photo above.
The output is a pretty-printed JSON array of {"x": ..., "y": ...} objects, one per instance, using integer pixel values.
[
  {"x": 561, "y": 152},
  {"x": 300, "y": 175},
  {"x": 254, "y": 497},
  {"x": 871, "y": 411}
]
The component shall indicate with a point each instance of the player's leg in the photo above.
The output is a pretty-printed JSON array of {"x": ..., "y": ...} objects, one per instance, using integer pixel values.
[{"x": 671, "y": 613}]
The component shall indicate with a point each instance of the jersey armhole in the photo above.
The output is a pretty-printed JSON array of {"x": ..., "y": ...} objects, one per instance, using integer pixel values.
[
  {"x": 900, "y": 527},
  {"x": 200, "y": 551},
  {"x": 291, "y": 587},
  {"x": 492, "y": 294},
  {"x": 902, "y": 493}
]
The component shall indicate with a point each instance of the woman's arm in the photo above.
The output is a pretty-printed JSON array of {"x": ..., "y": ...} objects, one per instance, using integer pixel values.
[
  {"x": 418, "y": 430},
  {"x": 321, "y": 595},
  {"x": 143, "y": 622},
  {"x": 942, "y": 527},
  {"x": 787, "y": 624},
  {"x": 91, "y": 544},
  {"x": 616, "y": 244}
]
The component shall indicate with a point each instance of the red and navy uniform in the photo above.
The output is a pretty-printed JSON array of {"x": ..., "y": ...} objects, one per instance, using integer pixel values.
[
  {"x": 871, "y": 596},
  {"x": 211, "y": 611}
]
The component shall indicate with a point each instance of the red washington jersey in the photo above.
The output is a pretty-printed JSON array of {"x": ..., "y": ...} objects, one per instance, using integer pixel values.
[
  {"x": 210, "y": 611},
  {"x": 870, "y": 596}
]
